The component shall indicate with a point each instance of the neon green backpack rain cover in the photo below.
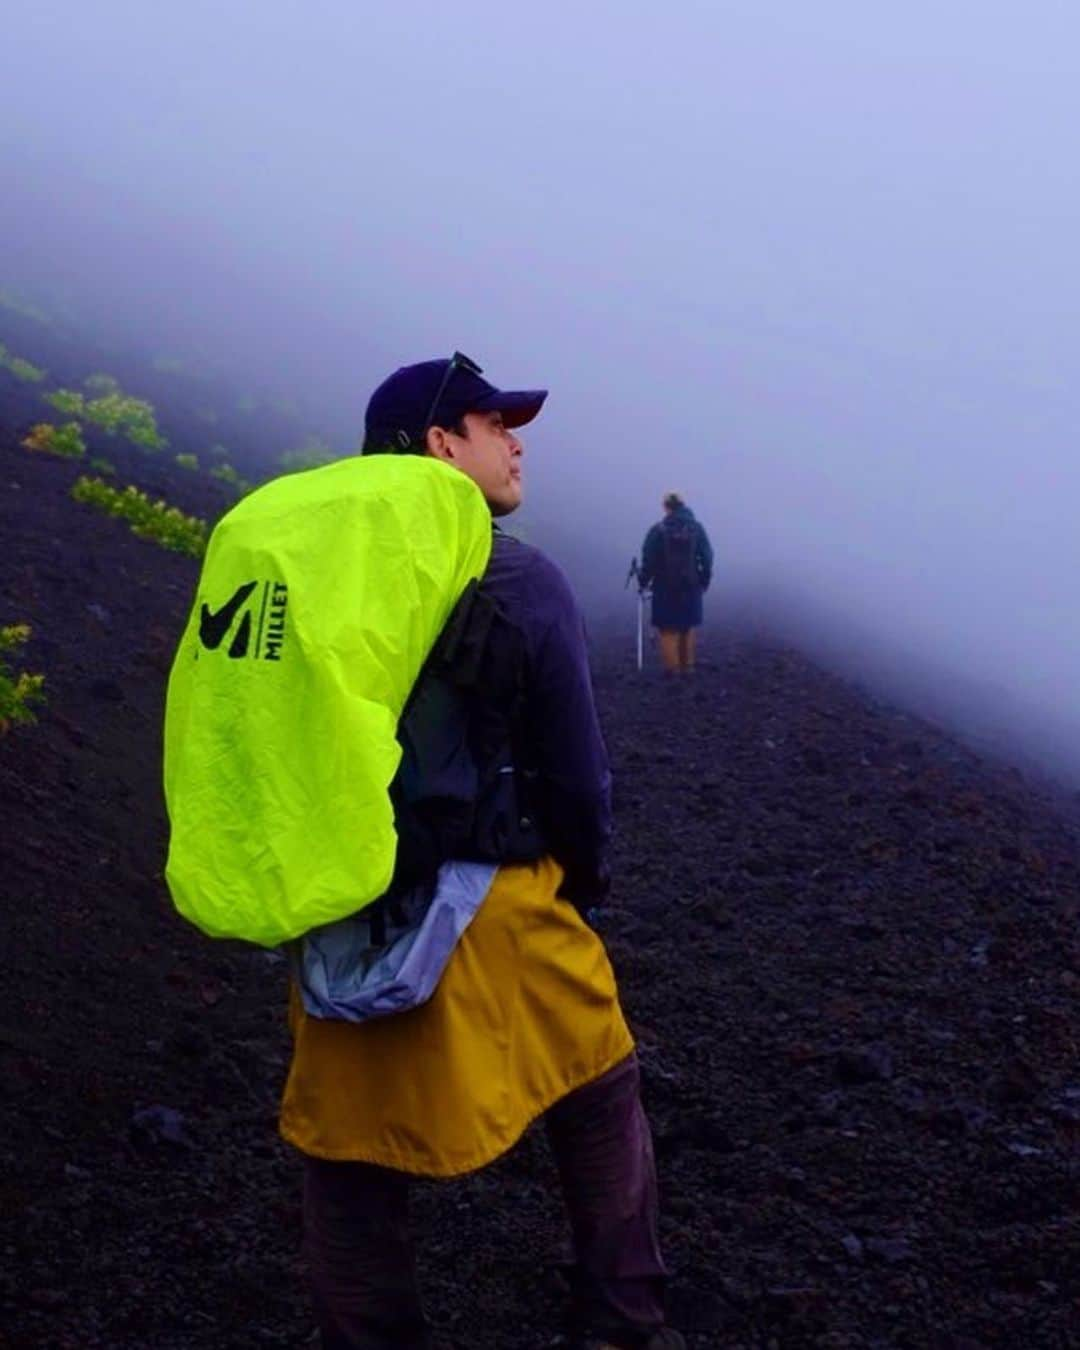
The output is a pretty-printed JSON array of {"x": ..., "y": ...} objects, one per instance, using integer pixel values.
[{"x": 321, "y": 594}]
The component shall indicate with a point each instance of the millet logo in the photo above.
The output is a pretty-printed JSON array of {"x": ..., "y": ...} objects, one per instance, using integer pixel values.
[{"x": 268, "y": 600}]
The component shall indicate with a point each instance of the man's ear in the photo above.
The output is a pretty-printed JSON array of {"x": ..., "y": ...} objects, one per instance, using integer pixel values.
[{"x": 438, "y": 444}]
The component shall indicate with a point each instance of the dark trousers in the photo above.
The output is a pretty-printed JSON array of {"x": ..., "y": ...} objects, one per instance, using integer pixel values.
[{"x": 360, "y": 1255}]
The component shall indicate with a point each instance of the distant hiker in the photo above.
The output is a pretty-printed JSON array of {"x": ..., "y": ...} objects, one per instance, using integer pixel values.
[
  {"x": 525, "y": 1020},
  {"x": 677, "y": 562}
]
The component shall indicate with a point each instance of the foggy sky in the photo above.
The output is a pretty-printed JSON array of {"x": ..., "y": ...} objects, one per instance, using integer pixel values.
[{"x": 811, "y": 264}]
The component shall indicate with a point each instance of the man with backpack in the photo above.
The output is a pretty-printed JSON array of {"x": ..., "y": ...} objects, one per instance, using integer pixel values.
[
  {"x": 677, "y": 562},
  {"x": 525, "y": 1020}
]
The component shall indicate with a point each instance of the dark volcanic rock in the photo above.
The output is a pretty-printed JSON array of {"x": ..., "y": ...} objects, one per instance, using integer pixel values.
[
  {"x": 865, "y": 1064},
  {"x": 847, "y": 947}
]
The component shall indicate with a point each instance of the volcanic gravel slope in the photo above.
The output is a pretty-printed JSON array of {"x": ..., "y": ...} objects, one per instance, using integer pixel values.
[{"x": 847, "y": 947}]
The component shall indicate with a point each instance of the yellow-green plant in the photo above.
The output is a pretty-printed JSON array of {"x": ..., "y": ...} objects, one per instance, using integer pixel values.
[
  {"x": 102, "y": 465},
  {"x": 68, "y": 401},
  {"x": 156, "y": 520},
  {"x": 22, "y": 370},
  {"x": 310, "y": 455},
  {"x": 113, "y": 411},
  {"x": 66, "y": 440},
  {"x": 188, "y": 461},
  {"x": 134, "y": 417},
  {"x": 227, "y": 474},
  {"x": 102, "y": 384},
  {"x": 40, "y": 436},
  {"x": 17, "y": 692}
]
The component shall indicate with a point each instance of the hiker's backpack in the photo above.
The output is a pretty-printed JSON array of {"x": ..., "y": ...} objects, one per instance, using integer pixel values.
[
  {"x": 465, "y": 788},
  {"x": 680, "y": 539},
  {"x": 321, "y": 597}
]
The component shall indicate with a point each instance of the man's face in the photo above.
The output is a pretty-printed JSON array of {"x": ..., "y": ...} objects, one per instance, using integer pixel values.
[{"x": 490, "y": 454}]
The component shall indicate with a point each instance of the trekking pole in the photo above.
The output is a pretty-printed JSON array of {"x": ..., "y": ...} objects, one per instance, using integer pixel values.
[
  {"x": 640, "y": 626},
  {"x": 634, "y": 575}
]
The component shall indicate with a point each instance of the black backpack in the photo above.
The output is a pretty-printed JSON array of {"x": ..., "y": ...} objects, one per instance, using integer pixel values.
[
  {"x": 463, "y": 788},
  {"x": 680, "y": 537}
]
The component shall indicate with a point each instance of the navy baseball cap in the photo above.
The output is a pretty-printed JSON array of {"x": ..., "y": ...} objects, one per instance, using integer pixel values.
[{"x": 439, "y": 393}]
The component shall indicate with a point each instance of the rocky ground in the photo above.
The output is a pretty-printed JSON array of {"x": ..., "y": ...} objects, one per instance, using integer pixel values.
[{"x": 847, "y": 945}]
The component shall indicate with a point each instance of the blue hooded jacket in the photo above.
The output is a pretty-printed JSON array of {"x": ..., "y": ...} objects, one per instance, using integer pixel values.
[{"x": 676, "y": 590}]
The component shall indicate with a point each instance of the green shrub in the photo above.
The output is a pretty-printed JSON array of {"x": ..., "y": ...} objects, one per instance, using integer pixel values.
[
  {"x": 101, "y": 384},
  {"x": 17, "y": 692},
  {"x": 310, "y": 455},
  {"x": 22, "y": 370},
  {"x": 106, "y": 411},
  {"x": 66, "y": 440},
  {"x": 134, "y": 417},
  {"x": 188, "y": 461},
  {"x": 227, "y": 474},
  {"x": 158, "y": 521},
  {"x": 102, "y": 465},
  {"x": 68, "y": 401},
  {"x": 146, "y": 435},
  {"x": 112, "y": 411}
]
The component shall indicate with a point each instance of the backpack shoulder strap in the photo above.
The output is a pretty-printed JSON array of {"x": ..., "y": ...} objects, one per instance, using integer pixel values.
[{"x": 460, "y": 789}]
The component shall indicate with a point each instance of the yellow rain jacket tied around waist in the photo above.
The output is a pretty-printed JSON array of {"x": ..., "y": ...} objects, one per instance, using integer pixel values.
[{"x": 320, "y": 597}]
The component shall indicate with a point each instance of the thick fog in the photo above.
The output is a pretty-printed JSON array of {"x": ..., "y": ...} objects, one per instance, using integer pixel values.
[{"x": 814, "y": 265}]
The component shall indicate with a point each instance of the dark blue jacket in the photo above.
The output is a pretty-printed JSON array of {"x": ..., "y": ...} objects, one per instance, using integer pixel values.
[{"x": 676, "y": 601}]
